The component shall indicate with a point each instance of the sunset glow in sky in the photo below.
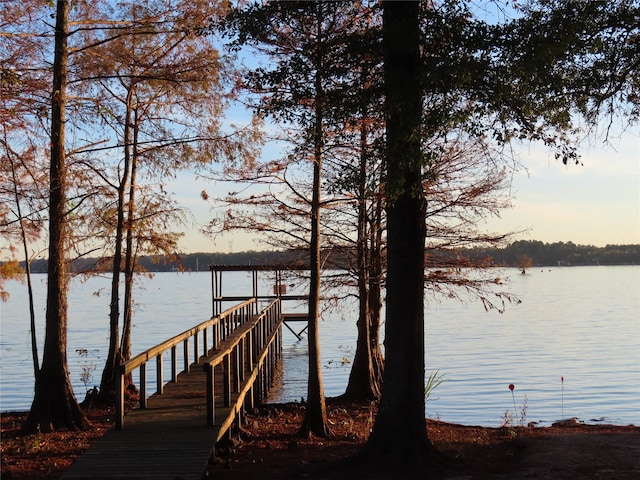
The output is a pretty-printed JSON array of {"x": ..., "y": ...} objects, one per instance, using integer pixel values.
[{"x": 596, "y": 203}]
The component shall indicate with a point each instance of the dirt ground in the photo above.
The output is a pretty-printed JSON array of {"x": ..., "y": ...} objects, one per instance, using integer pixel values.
[{"x": 268, "y": 447}]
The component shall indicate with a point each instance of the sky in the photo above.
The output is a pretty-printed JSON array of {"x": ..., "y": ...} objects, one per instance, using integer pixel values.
[{"x": 595, "y": 203}]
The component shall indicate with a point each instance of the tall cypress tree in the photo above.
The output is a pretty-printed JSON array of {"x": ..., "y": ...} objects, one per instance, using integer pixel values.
[{"x": 54, "y": 405}]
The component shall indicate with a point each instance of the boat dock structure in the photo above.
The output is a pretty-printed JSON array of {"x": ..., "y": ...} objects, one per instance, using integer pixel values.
[{"x": 218, "y": 369}]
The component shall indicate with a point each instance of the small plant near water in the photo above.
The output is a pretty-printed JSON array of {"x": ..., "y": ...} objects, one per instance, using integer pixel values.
[
  {"x": 88, "y": 367},
  {"x": 434, "y": 380},
  {"x": 510, "y": 418}
]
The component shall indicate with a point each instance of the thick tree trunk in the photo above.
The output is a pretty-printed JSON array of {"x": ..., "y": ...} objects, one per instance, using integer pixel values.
[
  {"x": 315, "y": 420},
  {"x": 54, "y": 405},
  {"x": 362, "y": 385},
  {"x": 399, "y": 437},
  {"x": 316, "y": 416}
]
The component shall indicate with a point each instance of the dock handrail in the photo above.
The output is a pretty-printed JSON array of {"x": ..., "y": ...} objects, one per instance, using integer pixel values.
[
  {"x": 222, "y": 325},
  {"x": 246, "y": 349}
]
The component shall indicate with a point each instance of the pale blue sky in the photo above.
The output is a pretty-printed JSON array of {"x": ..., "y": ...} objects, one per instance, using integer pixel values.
[{"x": 597, "y": 203}]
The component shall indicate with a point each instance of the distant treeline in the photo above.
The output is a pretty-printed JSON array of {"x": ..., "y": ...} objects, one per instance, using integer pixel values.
[
  {"x": 559, "y": 253},
  {"x": 188, "y": 262},
  {"x": 541, "y": 254}
]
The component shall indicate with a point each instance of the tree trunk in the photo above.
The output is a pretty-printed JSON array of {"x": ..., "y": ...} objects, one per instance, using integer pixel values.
[
  {"x": 130, "y": 254},
  {"x": 54, "y": 405},
  {"x": 375, "y": 295},
  {"x": 315, "y": 420},
  {"x": 27, "y": 263},
  {"x": 364, "y": 379},
  {"x": 114, "y": 357},
  {"x": 399, "y": 437}
]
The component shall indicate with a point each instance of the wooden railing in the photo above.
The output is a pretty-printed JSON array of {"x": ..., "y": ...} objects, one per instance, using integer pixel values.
[
  {"x": 221, "y": 326},
  {"x": 248, "y": 357}
]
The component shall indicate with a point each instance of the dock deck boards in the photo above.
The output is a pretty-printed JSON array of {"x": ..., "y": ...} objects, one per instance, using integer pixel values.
[{"x": 168, "y": 440}]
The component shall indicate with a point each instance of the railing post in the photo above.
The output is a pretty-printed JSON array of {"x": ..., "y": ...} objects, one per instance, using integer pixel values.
[
  {"x": 236, "y": 368},
  {"x": 185, "y": 360},
  {"x": 259, "y": 384},
  {"x": 174, "y": 364},
  {"x": 120, "y": 369},
  {"x": 270, "y": 361},
  {"x": 215, "y": 341},
  {"x": 242, "y": 347},
  {"x": 223, "y": 327},
  {"x": 196, "y": 348},
  {"x": 205, "y": 341},
  {"x": 143, "y": 385},
  {"x": 248, "y": 350},
  {"x": 159, "y": 374},
  {"x": 211, "y": 400},
  {"x": 226, "y": 380}
]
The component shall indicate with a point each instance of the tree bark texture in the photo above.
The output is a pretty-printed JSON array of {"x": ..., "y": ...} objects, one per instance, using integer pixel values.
[
  {"x": 316, "y": 416},
  {"x": 399, "y": 435},
  {"x": 54, "y": 405},
  {"x": 114, "y": 357},
  {"x": 365, "y": 378}
]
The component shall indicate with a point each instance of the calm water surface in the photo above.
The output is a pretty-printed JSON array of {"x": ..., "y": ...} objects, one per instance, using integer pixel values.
[{"x": 580, "y": 323}]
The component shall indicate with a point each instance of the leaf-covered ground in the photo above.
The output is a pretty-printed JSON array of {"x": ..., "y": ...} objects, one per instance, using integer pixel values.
[
  {"x": 268, "y": 447},
  {"x": 37, "y": 456}
]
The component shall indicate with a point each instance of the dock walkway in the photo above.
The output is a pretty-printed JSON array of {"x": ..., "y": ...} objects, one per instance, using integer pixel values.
[
  {"x": 228, "y": 364},
  {"x": 174, "y": 433},
  {"x": 168, "y": 440}
]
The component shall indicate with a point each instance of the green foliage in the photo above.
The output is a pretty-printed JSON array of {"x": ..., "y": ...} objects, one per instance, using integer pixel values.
[{"x": 434, "y": 380}]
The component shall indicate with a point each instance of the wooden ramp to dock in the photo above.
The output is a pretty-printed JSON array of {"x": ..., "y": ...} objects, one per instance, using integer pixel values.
[
  {"x": 173, "y": 434},
  {"x": 168, "y": 440}
]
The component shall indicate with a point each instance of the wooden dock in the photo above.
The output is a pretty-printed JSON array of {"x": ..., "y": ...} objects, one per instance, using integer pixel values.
[
  {"x": 173, "y": 435},
  {"x": 168, "y": 440}
]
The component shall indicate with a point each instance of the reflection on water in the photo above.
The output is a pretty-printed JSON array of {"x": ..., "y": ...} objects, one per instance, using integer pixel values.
[{"x": 579, "y": 323}]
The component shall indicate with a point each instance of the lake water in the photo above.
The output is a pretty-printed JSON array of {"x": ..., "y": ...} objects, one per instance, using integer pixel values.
[{"x": 580, "y": 324}]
